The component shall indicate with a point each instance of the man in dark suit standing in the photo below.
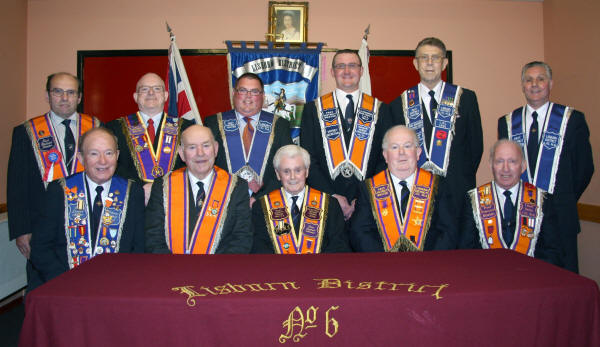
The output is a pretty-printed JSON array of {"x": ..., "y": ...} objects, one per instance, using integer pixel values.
[
  {"x": 446, "y": 119},
  {"x": 509, "y": 213},
  {"x": 555, "y": 139},
  {"x": 403, "y": 208},
  {"x": 104, "y": 213},
  {"x": 342, "y": 131},
  {"x": 148, "y": 138},
  {"x": 296, "y": 218},
  {"x": 43, "y": 149},
  {"x": 249, "y": 137},
  {"x": 201, "y": 209}
]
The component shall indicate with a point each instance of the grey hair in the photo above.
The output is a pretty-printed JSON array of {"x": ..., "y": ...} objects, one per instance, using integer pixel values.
[
  {"x": 384, "y": 144},
  {"x": 291, "y": 151},
  {"x": 504, "y": 141},
  {"x": 533, "y": 64}
]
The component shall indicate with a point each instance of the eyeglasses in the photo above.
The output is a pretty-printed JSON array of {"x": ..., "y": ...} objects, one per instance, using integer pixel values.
[
  {"x": 146, "y": 89},
  {"x": 427, "y": 58},
  {"x": 351, "y": 66},
  {"x": 253, "y": 92},
  {"x": 58, "y": 93}
]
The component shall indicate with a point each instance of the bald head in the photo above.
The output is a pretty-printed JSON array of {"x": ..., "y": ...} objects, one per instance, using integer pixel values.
[{"x": 150, "y": 94}]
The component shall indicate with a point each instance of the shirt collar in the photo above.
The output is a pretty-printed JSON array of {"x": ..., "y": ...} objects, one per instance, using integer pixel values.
[
  {"x": 58, "y": 119},
  {"x": 341, "y": 95},
  {"x": 156, "y": 118},
  {"x": 288, "y": 196}
]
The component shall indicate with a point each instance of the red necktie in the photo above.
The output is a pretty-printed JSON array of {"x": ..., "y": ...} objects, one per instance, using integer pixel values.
[{"x": 150, "y": 129}]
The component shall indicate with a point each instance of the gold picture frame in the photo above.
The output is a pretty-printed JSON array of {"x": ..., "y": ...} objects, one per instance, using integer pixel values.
[{"x": 288, "y": 21}]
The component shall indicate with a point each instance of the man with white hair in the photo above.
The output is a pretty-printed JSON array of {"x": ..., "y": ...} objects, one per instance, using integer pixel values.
[
  {"x": 403, "y": 208},
  {"x": 508, "y": 212},
  {"x": 296, "y": 218}
]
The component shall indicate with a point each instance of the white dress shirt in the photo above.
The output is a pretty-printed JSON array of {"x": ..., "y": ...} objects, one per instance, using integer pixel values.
[
  {"x": 426, "y": 98},
  {"x": 541, "y": 118}
]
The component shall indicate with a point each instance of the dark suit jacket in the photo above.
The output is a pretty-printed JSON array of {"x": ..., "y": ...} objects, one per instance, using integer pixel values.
[
  {"x": 334, "y": 238},
  {"x": 442, "y": 234},
  {"x": 548, "y": 245},
  {"x": 125, "y": 165},
  {"x": 236, "y": 235},
  {"x": 312, "y": 140},
  {"x": 574, "y": 173},
  {"x": 49, "y": 243},
  {"x": 467, "y": 144},
  {"x": 282, "y": 137},
  {"x": 25, "y": 188}
]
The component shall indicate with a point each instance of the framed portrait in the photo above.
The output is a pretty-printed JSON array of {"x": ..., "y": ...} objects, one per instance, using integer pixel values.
[{"x": 288, "y": 21}]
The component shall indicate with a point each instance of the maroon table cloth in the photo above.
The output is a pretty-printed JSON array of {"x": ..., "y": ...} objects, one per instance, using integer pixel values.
[{"x": 445, "y": 298}]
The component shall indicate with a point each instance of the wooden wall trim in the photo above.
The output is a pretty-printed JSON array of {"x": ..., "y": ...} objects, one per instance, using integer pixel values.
[{"x": 589, "y": 213}]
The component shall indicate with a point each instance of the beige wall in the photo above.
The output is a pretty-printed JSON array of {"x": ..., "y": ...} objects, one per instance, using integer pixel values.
[
  {"x": 491, "y": 40},
  {"x": 567, "y": 26},
  {"x": 13, "y": 38}
]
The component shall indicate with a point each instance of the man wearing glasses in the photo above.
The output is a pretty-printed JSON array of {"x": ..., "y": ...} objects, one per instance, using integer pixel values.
[
  {"x": 248, "y": 137},
  {"x": 446, "y": 119},
  {"x": 148, "y": 138},
  {"x": 43, "y": 149},
  {"x": 402, "y": 208},
  {"x": 342, "y": 131}
]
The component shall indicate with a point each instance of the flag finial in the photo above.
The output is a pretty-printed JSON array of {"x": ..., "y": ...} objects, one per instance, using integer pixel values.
[
  {"x": 170, "y": 31},
  {"x": 367, "y": 31}
]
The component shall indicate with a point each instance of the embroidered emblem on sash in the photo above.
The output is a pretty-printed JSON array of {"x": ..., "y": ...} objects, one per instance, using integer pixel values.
[
  {"x": 528, "y": 219},
  {"x": 208, "y": 228},
  {"x": 281, "y": 228},
  {"x": 435, "y": 159},
  {"x": 151, "y": 162},
  {"x": 548, "y": 156},
  {"x": 250, "y": 167},
  {"x": 77, "y": 231},
  {"x": 46, "y": 149},
  {"x": 410, "y": 234},
  {"x": 340, "y": 159}
]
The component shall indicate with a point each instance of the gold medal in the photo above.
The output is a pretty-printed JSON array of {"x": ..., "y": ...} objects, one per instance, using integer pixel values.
[
  {"x": 166, "y": 150},
  {"x": 157, "y": 171}
]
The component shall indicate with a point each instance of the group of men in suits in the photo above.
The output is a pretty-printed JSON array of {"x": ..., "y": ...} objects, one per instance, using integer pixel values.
[{"x": 366, "y": 177}]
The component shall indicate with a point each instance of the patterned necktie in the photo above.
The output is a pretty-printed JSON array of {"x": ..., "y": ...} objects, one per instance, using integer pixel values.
[
  {"x": 96, "y": 212},
  {"x": 349, "y": 115},
  {"x": 247, "y": 135},
  {"x": 509, "y": 208},
  {"x": 200, "y": 196},
  {"x": 295, "y": 215},
  {"x": 532, "y": 143},
  {"x": 69, "y": 143},
  {"x": 151, "y": 130},
  {"x": 404, "y": 194}
]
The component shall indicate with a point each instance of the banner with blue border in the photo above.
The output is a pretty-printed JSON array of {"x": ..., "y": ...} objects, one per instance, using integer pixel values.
[{"x": 290, "y": 76}]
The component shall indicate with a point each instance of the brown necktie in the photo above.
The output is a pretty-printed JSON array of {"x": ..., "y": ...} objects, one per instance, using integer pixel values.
[{"x": 248, "y": 134}]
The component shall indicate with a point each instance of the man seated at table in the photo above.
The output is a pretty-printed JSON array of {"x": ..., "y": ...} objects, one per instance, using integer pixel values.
[
  {"x": 105, "y": 213},
  {"x": 297, "y": 218},
  {"x": 508, "y": 212},
  {"x": 201, "y": 208},
  {"x": 401, "y": 209}
]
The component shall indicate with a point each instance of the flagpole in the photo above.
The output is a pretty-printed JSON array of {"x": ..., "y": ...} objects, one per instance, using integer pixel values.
[{"x": 176, "y": 55}]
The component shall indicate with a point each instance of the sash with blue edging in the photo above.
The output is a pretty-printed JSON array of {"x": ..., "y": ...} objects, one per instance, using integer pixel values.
[
  {"x": 437, "y": 158},
  {"x": 550, "y": 145},
  {"x": 231, "y": 132},
  {"x": 77, "y": 219}
]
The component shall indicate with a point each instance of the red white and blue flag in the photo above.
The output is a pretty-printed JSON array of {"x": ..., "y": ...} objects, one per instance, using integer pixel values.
[{"x": 181, "y": 102}]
